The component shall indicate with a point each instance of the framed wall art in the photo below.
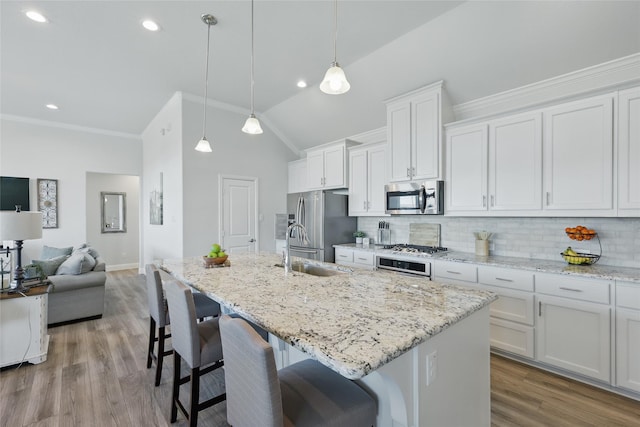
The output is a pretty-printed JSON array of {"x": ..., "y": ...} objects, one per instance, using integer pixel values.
[
  {"x": 156, "y": 205},
  {"x": 48, "y": 202}
]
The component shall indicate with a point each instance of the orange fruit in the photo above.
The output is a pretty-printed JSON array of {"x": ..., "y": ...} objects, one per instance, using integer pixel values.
[{"x": 567, "y": 230}]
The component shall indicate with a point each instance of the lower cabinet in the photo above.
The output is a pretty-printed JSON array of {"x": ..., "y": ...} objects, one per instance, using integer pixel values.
[
  {"x": 574, "y": 335},
  {"x": 628, "y": 336},
  {"x": 355, "y": 258},
  {"x": 512, "y": 337}
]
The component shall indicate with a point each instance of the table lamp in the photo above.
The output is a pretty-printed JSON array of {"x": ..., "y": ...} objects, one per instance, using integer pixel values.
[{"x": 19, "y": 226}]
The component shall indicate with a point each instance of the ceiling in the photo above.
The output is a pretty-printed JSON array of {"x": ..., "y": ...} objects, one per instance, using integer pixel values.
[{"x": 95, "y": 61}]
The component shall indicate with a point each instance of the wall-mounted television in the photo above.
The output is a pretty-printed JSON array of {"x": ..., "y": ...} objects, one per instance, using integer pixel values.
[{"x": 14, "y": 191}]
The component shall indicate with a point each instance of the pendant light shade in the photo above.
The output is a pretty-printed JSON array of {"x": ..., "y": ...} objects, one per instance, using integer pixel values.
[
  {"x": 203, "y": 145},
  {"x": 335, "y": 82},
  {"x": 252, "y": 125}
]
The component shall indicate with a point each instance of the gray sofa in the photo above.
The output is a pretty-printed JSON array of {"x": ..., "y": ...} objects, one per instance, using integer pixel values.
[{"x": 73, "y": 297}]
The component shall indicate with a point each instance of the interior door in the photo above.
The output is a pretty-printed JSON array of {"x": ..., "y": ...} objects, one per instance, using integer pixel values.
[{"x": 239, "y": 233}]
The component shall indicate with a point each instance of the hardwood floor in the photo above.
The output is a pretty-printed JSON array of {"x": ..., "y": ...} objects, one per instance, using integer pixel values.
[{"x": 96, "y": 375}]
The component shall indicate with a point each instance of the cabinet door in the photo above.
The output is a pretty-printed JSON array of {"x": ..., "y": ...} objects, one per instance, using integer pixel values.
[
  {"x": 399, "y": 137},
  {"x": 515, "y": 163},
  {"x": 578, "y": 159},
  {"x": 425, "y": 136},
  {"x": 629, "y": 150},
  {"x": 358, "y": 188},
  {"x": 467, "y": 169},
  {"x": 377, "y": 177},
  {"x": 574, "y": 335},
  {"x": 297, "y": 176},
  {"x": 628, "y": 348},
  {"x": 334, "y": 173},
  {"x": 315, "y": 170},
  {"x": 512, "y": 337}
]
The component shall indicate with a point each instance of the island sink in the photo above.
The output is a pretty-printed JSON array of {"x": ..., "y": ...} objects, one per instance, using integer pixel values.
[{"x": 312, "y": 269}]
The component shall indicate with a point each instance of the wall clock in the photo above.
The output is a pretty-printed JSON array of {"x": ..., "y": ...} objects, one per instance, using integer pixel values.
[{"x": 48, "y": 202}]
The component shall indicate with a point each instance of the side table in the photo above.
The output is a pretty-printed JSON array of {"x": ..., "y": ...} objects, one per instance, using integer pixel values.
[{"x": 23, "y": 326}]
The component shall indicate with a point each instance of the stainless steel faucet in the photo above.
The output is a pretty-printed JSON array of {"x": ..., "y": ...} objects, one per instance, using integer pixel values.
[{"x": 287, "y": 254}]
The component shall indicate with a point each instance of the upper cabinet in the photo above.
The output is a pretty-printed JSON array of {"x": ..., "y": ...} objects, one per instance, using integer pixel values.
[
  {"x": 298, "y": 176},
  {"x": 367, "y": 178},
  {"x": 629, "y": 152},
  {"x": 414, "y": 123},
  {"x": 327, "y": 166},
  {"x": 495, "y": 166},
  {"x": 578, "y": 160}
]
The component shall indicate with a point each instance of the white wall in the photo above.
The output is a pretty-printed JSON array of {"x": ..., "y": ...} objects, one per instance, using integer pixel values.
[
  {"x": 119, "y": 250},
  {"x": 41, "y": 150},
  {"x": 162, "y": 153},
  {"x": 234, "y": 153}
]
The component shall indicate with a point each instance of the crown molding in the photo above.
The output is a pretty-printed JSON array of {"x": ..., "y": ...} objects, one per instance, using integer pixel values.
[
  {"x": 370, "y": 137},
  {"x": 66, "y": 126},
  {"x": 608, "y": 75}
]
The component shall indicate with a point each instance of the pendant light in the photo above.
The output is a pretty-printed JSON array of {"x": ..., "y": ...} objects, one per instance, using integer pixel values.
[
  {"x": 335, "y": 82},
  {"x": 252, "y": 125},
  {"x": 203, "y": 145}
]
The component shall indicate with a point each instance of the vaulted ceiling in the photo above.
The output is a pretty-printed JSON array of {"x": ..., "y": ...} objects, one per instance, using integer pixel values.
[{"x": 96, "y": 62}]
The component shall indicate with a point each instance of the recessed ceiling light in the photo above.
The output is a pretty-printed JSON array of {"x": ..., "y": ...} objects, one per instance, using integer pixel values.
[
  {"x": 35, "y": 16},
  {"x": 52, "y": 106},
  {"x": 301, "y": 83},
  {"x": 150, "y": 25}
]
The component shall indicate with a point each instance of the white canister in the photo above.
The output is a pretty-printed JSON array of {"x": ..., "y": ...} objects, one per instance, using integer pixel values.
[{"x": 482, "y": 247}]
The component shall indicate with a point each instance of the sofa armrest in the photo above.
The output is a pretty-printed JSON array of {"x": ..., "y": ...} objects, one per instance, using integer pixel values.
[{"x": 100, "y": 265}]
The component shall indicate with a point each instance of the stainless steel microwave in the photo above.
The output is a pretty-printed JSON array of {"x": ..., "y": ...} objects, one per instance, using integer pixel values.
[{"x": 415, "y": 198}]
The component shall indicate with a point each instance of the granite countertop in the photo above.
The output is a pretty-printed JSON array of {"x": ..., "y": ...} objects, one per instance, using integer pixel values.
[
  {"x": 353, "y": 322},
  {"x": 595, "y": 271}
]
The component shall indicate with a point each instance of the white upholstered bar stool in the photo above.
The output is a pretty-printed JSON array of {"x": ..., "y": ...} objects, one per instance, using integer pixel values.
[
  {"x": 198, "y": 344},
  {"x": 303, "y": 394},
  {"x": 159, "y": 317}
]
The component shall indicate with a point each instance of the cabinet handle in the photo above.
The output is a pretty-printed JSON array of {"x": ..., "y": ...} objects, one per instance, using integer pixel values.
[
  {"x": 503, "y": 280},
  {"x": 408, "y": 173},
  {"x": 539, "y": 308},
  {"x": 362, "y": 259},
  {"x": 453, "y": 272},
  {"x": 484, "y": 201},
  {"x": 570, "y": 289},
  {"x": 492, "y": 201},
  {"x": 548, "y": 197},
  {"x": 413, "y": 170}
]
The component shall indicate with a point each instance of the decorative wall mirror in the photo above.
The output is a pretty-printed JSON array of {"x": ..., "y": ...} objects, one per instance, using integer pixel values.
[{"x": 113, "y": 212}]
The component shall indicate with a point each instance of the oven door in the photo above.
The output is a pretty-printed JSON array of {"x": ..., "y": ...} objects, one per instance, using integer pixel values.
[{"x": 413, "y": 266}]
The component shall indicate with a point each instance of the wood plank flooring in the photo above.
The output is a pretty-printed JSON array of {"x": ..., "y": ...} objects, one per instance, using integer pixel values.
[{"x": 96, "y": 375}]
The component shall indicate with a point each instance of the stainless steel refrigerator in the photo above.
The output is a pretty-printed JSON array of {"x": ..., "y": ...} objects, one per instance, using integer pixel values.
[{"x": 324, "y": 214}]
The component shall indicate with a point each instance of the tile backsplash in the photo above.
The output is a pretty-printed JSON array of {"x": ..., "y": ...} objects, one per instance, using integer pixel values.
[{"x": 541, "y": 238}]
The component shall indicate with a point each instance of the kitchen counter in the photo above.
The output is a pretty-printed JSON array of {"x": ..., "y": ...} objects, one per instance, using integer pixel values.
[
  {"x": 354, "y": 322},
  {"x": 596, "y": 271}
]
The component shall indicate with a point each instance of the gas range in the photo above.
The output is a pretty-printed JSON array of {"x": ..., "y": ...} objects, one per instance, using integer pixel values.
[
  {"x": 418, "y": 250},
  {"x": 407, "y": 259}
]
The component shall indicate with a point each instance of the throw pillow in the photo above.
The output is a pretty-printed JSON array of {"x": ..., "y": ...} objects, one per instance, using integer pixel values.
[
  {"x": 88, "y": 248},
  {"x": 78, "y": 263},
  {"x": 49, "y": 252},
  {"x": 49, "y": 266}
]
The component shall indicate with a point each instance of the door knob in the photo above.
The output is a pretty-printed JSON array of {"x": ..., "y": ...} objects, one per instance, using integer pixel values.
[{"x": 252, "y": 240}]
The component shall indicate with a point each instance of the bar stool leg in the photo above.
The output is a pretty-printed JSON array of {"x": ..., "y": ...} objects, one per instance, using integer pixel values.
[
  {"x": 175, "y": 394},
  {"x": 152, "y": 338},
  {"x": 195, "y": 397}
]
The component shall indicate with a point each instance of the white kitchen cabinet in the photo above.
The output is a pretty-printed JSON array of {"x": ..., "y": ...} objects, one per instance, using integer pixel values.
[
  {"x": 327, "y": 166},
  {"x": 515, "y": 163},
  {"x": 573, "y": 330},
  {"x": 367, "y": 178},
  {"x": 454, "y": 272},
  {"x": 628, "y": 335},
  {"x": 578, "y": 156},
  {"x": 629, "y": 152},
  {"x": 414, "y": 126},
  {"x": 512, "y": 337},
  {"x": 466, "y": 172},
  {"x": 355, "y": 258},
  {"x": 501, "y": 171},
  {"x": 297, "y": 176}
]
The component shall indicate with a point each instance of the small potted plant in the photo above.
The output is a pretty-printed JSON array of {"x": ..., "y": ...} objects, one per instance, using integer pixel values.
[{"x": 359, "y": 235}]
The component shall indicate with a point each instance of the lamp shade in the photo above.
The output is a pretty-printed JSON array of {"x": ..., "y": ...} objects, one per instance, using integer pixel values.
[
  {"x": 203, "y": 146},
  {"x": 252, "y": 126},
  {"x": 335, "y": 82},
  {"x": 20, "y": 225}
]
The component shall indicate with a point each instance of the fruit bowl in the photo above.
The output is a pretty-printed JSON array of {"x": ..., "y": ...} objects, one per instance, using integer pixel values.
[
  {"x": 208, "y": 262},
  {"x": 580, "y": 233},
  {"x": 580, "y": 259}
]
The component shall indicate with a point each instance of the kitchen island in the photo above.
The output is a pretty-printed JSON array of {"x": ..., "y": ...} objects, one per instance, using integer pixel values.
[{"x": 420, "y": 347}]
